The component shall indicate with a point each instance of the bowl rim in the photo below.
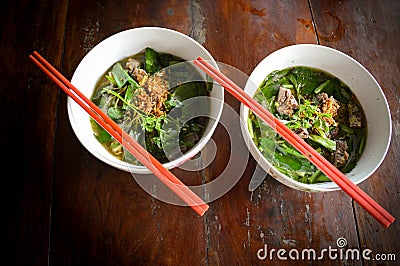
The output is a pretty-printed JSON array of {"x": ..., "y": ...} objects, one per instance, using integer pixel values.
[
  {"x": 275, "y": 172},
  {"x": 122, "y": 165}
]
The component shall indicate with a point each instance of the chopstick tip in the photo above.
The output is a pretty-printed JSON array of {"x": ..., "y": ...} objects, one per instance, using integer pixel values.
[
  {"x": 204, "y": 208},
  {"x": 391, "y": 220}
]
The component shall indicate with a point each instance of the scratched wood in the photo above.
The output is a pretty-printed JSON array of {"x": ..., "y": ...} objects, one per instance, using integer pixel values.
[
  {"x": 370, "y": 34},
  {"x": 28, "y": 105},
  {"x": 117, "y": 221},
  {"x": 62, "y": 206},
  {"x": 274, "y": 215}
]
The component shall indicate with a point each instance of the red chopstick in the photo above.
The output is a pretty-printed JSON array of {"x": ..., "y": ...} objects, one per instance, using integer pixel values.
[
  {"x": 176, "y": 185},
  {"x": 371, "y": 206}
]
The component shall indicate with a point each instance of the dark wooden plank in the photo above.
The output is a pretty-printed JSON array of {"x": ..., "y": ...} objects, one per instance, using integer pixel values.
[
  {"x": 241, "y": 223},
  {"x": 101, "y": 216},
  {"x": 369, "y": 31},
  {"x": 28, "y": 105}
]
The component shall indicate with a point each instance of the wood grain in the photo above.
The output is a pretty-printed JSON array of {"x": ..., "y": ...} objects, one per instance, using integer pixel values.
[
  {"x": 267, "y": 216},
  {"x": 63, "y": 206},
  {"x": 369, "y": 36},
  {"x": 29, "y": 102},
  {"x": 121, "y": 224}
]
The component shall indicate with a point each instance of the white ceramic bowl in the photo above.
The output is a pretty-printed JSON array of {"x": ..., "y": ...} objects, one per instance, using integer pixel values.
[
  {"x": 362, "y": 84},
  {"x": 118, "y": 47}
]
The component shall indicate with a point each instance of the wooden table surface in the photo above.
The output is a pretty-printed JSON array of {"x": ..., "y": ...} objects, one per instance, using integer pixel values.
[{"x": 63, "y": 206}]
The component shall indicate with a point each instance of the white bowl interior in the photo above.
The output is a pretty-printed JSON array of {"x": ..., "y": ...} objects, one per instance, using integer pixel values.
[
  {"x": 118, "y": 47},
  {"x": 360, "y": 81}
]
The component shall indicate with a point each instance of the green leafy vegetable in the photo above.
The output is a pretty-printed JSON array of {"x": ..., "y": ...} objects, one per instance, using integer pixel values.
[
  {"x": 101, "y": 135},
  {"x": 321, "y": 117},
  {"x": 327, "y": 143},
  {"x": 121, "y": 76},
  {"x": 115, "y": 113},
  {"x": 135, "y": 108},
  {"x": 322, "y": 86},
  {"x": 152, "y": 61}
]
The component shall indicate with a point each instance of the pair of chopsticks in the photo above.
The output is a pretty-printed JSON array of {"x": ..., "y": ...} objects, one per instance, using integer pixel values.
[
  {"x": 371, "y": 206},
  {"x": 141, "y": 154}
]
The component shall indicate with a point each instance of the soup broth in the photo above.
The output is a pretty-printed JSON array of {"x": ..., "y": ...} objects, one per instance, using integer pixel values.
[
  {"x": 139, "y": 92},
  {"x": 319, "y": 108}
]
